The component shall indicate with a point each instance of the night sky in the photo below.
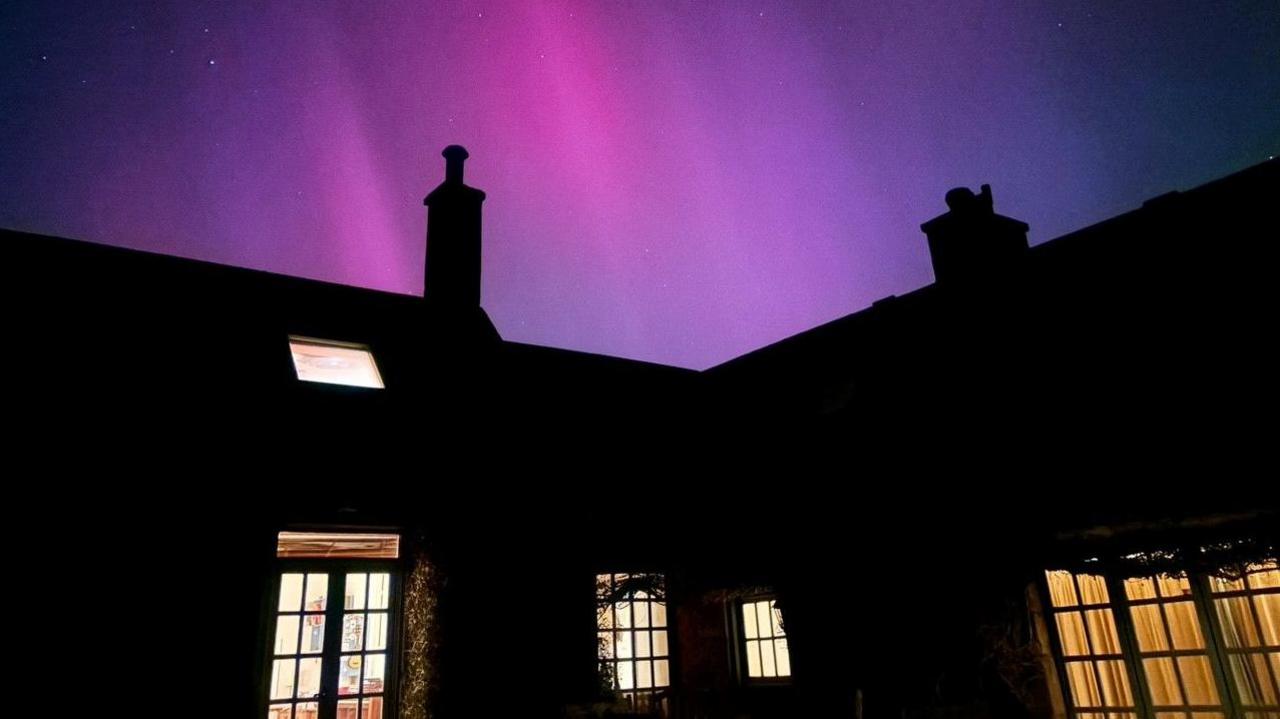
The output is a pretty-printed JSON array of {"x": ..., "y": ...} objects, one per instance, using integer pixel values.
[{"x": 678, "y": 182}]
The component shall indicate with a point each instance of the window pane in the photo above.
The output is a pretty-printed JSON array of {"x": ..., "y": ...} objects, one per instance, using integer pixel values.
[
  {"x": 1071, "y": 634},
  {"x": 1140, "y": 588},
  {"x": 287, "y": 635},
  {"x": 1148, "y": 625},
  {"x": 640, "y": 613},
  {"x": 604, "y": 641},
  {"x": 768, "y": 665},
  {"x": 1264, "y": 575},
  {"x": 753, "y": 658},
  {"x": 375, "y": 673},
  {"x": 376, "y": 631},
  {"x": 1163, "y": 682},
  {"x": 1238, "y": 629},
  {"x": 1268, "y": 606},
  {"x": 372, "y": 708},
  {"x": 290, "y": 592},
  {"x": 354, "y": 596},
  {"x": 644, "y": 675},
  {"x": 282, "y": 678},
  {"x": 1102, "y": 631},
  {"x": 1062, "y": 590},
  {"x": 1084, "y": 688},
  {"x": 349, "y": 674},
  {"x": 777, "y": 619},
  {"x": 763, "y": 624},
  {"x": 1171, "y": 715},
  {"x": 661, "y": 673},
  {"x": 604, "y": 617},
  {"x": 1093, "y": 589},
  {"x": 317, "y": 592},
  {"x": 309, "y": 678},
  {"x": 749, "y": 620},
  {"x": 641, "y": 641},
  {"x": 379, "y": 590},
  {"x": 352, "y": 632},
  {"x": 659, "y": 644},
  {"x": 623, "y": 644},
  {"x": 348, "y": 708},
  {"x": 1197, "y": 679},
  {"x": 622, "y": 613},
  {"x": 658, "y": 614},
  {"x": 1249, "y": 672},
  {"x": 279, "y": 711},
  {"x": 1183, "y": 625},
  {"x": 312, "y": 633},
  {"x": 1207, "y": 715},
  {"x": 1115, "y": 684},
  {"x": 1171, "y": 586},
  {"x": 783, "y": 655},
  {"x": 626, "y": 677},
  {"x": 1225, "y": 583}
]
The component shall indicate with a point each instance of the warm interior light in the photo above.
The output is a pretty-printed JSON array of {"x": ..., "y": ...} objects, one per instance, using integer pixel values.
[
  {"x": 299, "y": 545},
  {"x": 331, "y": 362}
]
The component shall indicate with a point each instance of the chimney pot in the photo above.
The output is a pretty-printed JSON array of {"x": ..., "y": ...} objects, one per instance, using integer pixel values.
[{"x": 454, "y": 156}]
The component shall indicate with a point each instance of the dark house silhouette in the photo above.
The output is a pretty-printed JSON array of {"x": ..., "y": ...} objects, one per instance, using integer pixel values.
[{"x": 897, "y": 480}]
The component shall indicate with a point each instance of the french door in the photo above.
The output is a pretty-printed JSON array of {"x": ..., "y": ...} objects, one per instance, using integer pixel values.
[{"x": 332, "y": 641}]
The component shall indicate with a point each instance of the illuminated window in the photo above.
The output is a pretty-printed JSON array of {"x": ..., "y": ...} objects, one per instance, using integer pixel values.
[
  {"x": 633, "y": 637},
  {"x": 331, "y": 362},
  {"x": 1169, "y": 646},
  {"x": 332, "y": 657},
  {"x": 764, "y": 643}
]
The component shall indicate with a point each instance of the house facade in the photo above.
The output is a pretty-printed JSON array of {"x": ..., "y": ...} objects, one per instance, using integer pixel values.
[{"x": 1040, "y": 487}]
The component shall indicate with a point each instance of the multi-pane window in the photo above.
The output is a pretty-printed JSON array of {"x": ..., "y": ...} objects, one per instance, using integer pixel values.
[
  {"x": 1170, "y": 645},
  {"x": 1093, "y": 660},
  {"x": 633, "y": 637},
  {"x": 1247, "y": 611},
  {"x": 331, "y": 628},
  {"x": 1171, "y": 648},
  {"x": 764, "y": 641}
]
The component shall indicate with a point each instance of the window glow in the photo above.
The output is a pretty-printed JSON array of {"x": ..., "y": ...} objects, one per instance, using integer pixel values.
[
  {"x": 764, "y": 641},
  {"x": 633, "y": 637},
  {"x": 358, "y": 606},
  {"x": 1185, "y": 635},
  {"x": 330, "y": 362},
  {"x": 320, "y": 545}
]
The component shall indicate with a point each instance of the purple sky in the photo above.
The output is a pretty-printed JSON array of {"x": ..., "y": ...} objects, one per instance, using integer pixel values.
[{"x": 678, "y": 182}]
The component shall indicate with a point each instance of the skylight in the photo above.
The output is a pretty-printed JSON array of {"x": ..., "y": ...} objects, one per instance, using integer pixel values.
[{"x": 332, "y": 362}]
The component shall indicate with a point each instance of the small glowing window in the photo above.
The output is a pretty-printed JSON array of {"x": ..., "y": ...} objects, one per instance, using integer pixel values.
[
  {"x": 331, "y": 362},
  {"x": 764, "y": 641}
]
